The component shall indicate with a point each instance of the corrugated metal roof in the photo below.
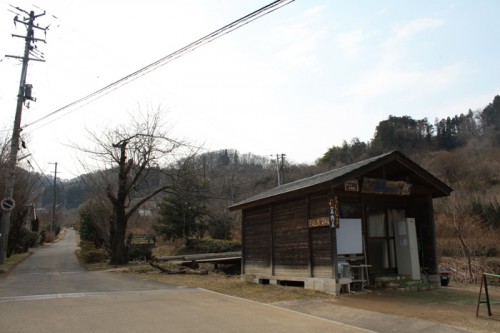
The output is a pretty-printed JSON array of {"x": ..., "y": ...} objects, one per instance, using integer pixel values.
[{"x": 332, "y": 175}]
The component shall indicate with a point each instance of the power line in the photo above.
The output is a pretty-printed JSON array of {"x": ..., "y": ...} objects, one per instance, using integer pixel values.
[
  {"x": 172, "y": 56},
  {"x": 41, "y": 173}
]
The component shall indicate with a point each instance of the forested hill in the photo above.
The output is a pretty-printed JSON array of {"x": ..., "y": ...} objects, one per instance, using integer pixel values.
[
  {"x": 419, "y": 137},
  {"x": 462, "y": 148}
]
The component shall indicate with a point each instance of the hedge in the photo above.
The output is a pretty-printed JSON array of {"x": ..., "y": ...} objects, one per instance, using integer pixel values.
[{"x": 213, "y": 245}]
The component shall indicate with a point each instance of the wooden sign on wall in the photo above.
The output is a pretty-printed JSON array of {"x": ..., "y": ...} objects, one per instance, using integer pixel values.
[
  {"x": 319, "y": 222},
  {"x": 383, "y": 186}
]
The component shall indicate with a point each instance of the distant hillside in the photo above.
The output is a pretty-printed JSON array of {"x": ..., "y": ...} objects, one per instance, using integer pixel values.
[
  {"x": 418, "y": 137},
  {"x": 460, "y": 149}
]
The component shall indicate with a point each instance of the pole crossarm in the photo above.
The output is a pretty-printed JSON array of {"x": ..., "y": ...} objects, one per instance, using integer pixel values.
[
  {"x": 30, "y": 38},
  {"x": 22, "y": 58}
]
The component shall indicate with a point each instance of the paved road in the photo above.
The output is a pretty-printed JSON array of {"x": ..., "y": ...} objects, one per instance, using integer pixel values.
[
  {"x": 49, "y": 292},
  {"x": 54, "y": 270}
]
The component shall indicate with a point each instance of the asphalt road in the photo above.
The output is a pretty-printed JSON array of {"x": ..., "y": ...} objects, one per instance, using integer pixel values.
[{"x": 49, "y": 292}]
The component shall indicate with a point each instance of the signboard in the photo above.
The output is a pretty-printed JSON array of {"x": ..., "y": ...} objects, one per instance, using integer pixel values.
[
  {"x": 383, "y": 186},
  {"x": 319, "y": 222},
  {"x": 351, "y": 185},
  {"x": 350, "y": 237},
  {"x": 332, "y": 220},
  {"x": 7, "y": 204},
  {"x": 334, "y": 212}
]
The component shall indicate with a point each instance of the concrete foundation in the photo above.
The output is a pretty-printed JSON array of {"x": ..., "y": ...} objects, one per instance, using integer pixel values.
[{"x": 325, "y": 285}]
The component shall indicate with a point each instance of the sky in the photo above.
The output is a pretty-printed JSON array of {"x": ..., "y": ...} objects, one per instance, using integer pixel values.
[{"x": 297, "y": 81}]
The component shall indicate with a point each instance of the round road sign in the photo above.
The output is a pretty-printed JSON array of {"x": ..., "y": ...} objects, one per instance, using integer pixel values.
[{"x": 7, "y": 204}]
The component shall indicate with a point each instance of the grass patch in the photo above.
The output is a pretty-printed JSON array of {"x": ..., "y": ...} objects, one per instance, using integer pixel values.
[
  {"x": 233, "y": 285},
  {"x": 13, "y": 261}
]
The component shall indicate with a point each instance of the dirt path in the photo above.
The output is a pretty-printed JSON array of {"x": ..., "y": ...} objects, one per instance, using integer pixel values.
[{"x": 454, "y": 306}]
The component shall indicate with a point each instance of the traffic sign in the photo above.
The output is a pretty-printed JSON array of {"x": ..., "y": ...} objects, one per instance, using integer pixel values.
[{"x": 7, "y": 204}]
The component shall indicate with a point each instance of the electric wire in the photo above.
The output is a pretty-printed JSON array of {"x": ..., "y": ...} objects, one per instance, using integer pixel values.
[
  {"x": 42, "y": 173},
  {"x": 163, "y": 61}
]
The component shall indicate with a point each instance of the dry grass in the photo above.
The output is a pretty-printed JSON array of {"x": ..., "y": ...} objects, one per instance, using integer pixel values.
[
  {"x": 13, "y": 261},
  {"x": 169, "y": 249},
  {"x": 231, "y": 285},
  {"x": 479, "y": 265}
]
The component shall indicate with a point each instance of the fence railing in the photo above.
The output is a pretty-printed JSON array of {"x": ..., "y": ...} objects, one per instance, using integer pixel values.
[{"x": 486, "y": 300}]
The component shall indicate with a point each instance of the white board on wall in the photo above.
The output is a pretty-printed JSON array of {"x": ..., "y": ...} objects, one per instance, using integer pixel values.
[{"x": 349, "y": 237}]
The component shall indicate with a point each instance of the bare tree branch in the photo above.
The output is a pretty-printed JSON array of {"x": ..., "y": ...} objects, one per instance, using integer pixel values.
[{"x": 130, "y": 156}]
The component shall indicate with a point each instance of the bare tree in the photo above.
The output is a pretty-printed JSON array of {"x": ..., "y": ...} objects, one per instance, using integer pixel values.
[
  {"x": 461, "y": 221},
  {"x": 27, "y": 191},
  {"x": 137, "y": 162}
]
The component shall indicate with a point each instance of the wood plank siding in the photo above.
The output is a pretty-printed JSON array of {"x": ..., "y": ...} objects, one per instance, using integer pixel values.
[
  {"x": 257, "y": 241},
  {"x": 290, "y": 238},
  {"x": 321, "y": 238},
  {"x": 321, "y": 252}
]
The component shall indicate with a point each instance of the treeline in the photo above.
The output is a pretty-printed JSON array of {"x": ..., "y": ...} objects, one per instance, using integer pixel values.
[
  {"x": 457, "y": 149},
  {"x": 234, "y": 176},
  {"x": 215, "y": 181},
  {"x": 419, "y": 136}
]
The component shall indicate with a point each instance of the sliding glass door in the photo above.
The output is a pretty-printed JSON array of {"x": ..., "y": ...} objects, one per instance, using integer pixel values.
[{"x": 380, "y": 241}]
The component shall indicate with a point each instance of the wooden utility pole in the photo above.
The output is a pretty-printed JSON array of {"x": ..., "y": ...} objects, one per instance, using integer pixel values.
[
  {"x": 52, "y": 225},
  {"x": 280, "y": 168},
  {"x": 23, "y": 95}
]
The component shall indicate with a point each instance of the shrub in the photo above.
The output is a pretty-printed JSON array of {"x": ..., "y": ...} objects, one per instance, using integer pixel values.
[
  {"x": 21, "y": 240},
  {"x": 35, "y": 225},
  {"x": 49, "y": 237},
  {"x": 89, "y": 254},
  {"x": 43, "y": 235},
  {"x": 87, "y": 227},
  {"x": 94, "y": 256},
  {"x": 86, "y": 245},
  {"x": 213, "y": 245},
  {"x": 29, "y": 239},
  {"x": 139, "y": 252}
]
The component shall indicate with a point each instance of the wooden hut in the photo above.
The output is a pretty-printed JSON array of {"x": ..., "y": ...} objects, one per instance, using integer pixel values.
[{"x": 374, "y": 217}]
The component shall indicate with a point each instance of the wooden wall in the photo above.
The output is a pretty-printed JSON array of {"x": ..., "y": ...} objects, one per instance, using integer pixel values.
[
  {"x": 257, "y": 240},
  {"x": 290, "y": 238},
  {"x": 321, "y": 238},
  {"x": 277, "y": 240},
  {"x": 321, "y": 252}
]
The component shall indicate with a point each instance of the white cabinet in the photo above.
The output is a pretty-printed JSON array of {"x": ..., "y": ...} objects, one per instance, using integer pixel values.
[{"x": 407, "y": 248}]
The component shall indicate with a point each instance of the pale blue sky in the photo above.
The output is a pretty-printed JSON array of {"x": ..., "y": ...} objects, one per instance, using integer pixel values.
[{"x": 297, "y": 81}]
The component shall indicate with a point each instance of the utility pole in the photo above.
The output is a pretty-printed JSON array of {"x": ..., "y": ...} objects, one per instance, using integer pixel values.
[
  {"x": 23, "y": 95},
  {"x": 54, "y": 200},
  {"x": 280, "y": 168}
]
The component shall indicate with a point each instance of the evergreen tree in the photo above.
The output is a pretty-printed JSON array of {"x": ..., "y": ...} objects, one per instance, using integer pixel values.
[
  {"x": 181, "y": 217},
  {"x": 490, "y": 120}
]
